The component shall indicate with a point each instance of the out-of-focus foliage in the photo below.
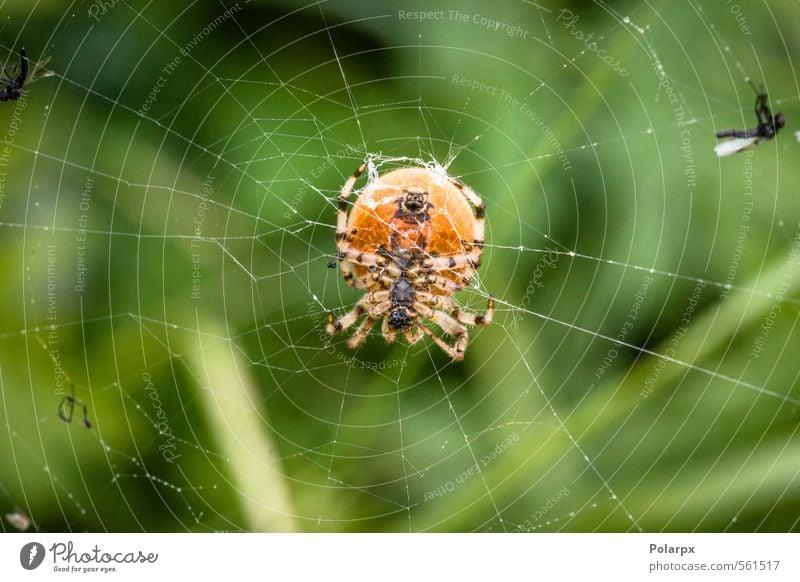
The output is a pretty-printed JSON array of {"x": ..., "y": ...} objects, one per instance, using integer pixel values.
[{"x": 167, "y": 214}]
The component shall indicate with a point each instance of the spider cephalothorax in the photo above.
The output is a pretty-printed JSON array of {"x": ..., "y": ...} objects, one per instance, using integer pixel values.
[{"x": 411, "y": 241}]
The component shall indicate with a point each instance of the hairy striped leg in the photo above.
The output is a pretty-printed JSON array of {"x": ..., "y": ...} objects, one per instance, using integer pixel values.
[{"x": 450, "y": 326}]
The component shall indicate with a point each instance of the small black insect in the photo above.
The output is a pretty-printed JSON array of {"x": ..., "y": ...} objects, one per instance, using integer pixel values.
[
  {"x": 66, "y": 409},
  {"x": 767, "y": 128},
  {"x": 14, "y": 83}
]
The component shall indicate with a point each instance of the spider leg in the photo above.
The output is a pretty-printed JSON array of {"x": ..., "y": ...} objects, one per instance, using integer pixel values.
[
  {"x": 429, "y": 298},
  {"x": 447, "y": 285},
  {"x": 467, "y": 317},
  {"x": 374, "y": 261},
  {"x": 367, "y": 259},
  {"x": 471, "y": 259},
  {"x": 387, "y": 332},
  {"x": 453, "y": 328},
  {"x": 415, "y": 336},
  {"x": 344, "y": 194},
  {"x": 480, "y": 213},
  {"x": 450, "y": 326},
  {"x": 452, "y": 351},
  {"x": 350, "y": 279},
  {"x": 454, "y": 265},
  {"x": 383, "y": 280},
  {"x": 342, "y": 235},
  {"x": 377, "y": 310},
  {"x": 480, "y": 208},
  {"x": 373, "y": 314},
  {"x": 361, "y": 332},
  {"x": 334, "y": 325}
]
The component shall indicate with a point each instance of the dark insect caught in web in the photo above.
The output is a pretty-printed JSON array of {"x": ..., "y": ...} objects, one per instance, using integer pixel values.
[
  {"x": 66, "y": 409},
  {"x": 13, "y": 84},
  {"x": 767, "y": 128}
]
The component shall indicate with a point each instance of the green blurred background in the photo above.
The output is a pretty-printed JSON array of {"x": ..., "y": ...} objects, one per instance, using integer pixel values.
[{"x": 167, "y": 214}]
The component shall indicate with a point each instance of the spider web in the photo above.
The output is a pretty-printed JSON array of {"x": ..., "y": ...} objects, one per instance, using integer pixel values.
[{"x": 168, "y": 211}]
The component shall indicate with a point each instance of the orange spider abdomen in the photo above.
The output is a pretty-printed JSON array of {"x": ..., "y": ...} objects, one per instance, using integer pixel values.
[{"x": 441, "y": 218}]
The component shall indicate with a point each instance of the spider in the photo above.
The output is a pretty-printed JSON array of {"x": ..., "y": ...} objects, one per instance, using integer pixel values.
[
  {"x": 767, "y": 128},
  {"x": 15, "y": 83},
  {"x": 410, "y": 242}
]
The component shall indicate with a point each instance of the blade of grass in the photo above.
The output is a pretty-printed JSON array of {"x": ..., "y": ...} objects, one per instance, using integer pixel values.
[{"x": 231, "y": 401}]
